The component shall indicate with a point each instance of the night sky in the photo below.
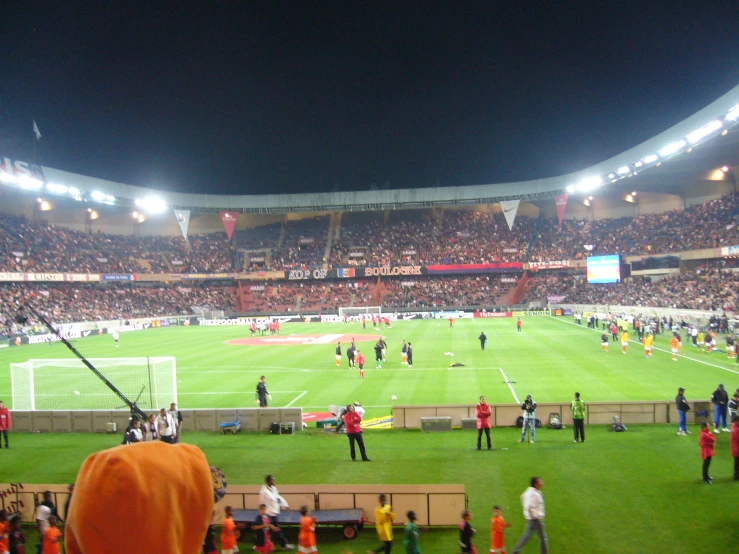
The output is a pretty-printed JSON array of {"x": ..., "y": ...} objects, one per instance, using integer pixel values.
[{"x": 275, "y": 97}]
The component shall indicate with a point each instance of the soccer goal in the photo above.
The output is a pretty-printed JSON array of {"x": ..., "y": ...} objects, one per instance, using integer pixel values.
[
  {"x": 365, "y": 310},
  {"x": 67, "y": 384}
]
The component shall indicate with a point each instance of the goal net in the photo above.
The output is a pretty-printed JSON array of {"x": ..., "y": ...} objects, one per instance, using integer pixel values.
[
  {"x": 68, "y": 384},
  {"x": 364, "y": 310}
]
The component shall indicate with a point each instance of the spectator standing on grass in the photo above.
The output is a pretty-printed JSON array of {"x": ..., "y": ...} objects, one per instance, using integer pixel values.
[
  {"x": 177, "y": 418},
  {"x": 735, "y": 445},
  {"x": 483, "y": 413},
  {"x": 734, "y": 406},
  {"x": 262, "y": 393},
  {"x": 533, "y": 510},
  {"x": 353, "y": 422},
  {"x": 410, "y": 538},
  {"x": 720, "y": 399},
  {"x": 578, "y": 417},
  {"x": 706, "y": 440},
  {"x": 682, "y": 409},
  {"x": 529, "y": 418},
  {"x": 166, "y": 427},
  {"x": 274, "y": 503},
  {"x": 5, "y": 422},
  {"x": 384, "y": 517}
]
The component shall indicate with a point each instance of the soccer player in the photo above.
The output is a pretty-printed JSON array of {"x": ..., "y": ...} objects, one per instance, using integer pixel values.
[
  {"x": 700, "y": 340},
  {"x": 350, "y": 353},
  {"x": 519, "y": 324},
  {"x": 338, "y": 354},
  {"x": 710, "y": 341},
  {"x": 730, "y": 348},
  {"x": 410, "y": 355},
  {"x": 360, "y": 363},
  {"x": 384, "y": 348},
  {"x": 378, "y": 355},
  {"x": 451, "y": 322},
  {"x": 648, "y": 340},
  {"x": 614, "y": 332},
  {"x": 364, "y": 322},
  {"x": 674, "y": 346},
  {"x": 51, "y": 541},
  {"x": 497, "y": 529},
  {"x": 404, "y": 353},
  {"x": 116, "y": 336},
  {"x": 410, "y": 540},
  {"x": 374, "y": 322},
  {"x": 624, "y": 340},
  {"x": 604, "y": 342},
  {"x": 253, "y": 328}
]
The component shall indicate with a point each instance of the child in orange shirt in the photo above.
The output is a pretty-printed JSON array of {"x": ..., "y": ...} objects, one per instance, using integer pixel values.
[
  {"x": 497, "y": 527},
  {"x": 229, "y": 532},
  {"x": 307, "y": 535},
  {"x": 52, "y": 538}
]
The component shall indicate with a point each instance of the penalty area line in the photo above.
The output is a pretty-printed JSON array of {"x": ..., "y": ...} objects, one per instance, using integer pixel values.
[
  {"x": 513, "y": 392},
  {"x": 294, "y": 400}
]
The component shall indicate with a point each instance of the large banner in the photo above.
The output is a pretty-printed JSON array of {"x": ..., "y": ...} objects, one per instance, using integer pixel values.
[
  {"x": 449, "y": 269},
  {"x": 557, "y": 264},
  {"x": 560, "y": 200},
  {"x": 229, "y": 220},
  {"x": 49, "y": 277},
  {"x": 510, "y": 209},
  {"x": 478, "y": 313},
  {"x": 183, "y": 220},
  {"x": 118, "y": 277}
]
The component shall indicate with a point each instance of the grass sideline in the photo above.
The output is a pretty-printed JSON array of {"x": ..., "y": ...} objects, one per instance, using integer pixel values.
[
  {"x": 634, "y": 492},
  {"x": 638, "y": 491}
]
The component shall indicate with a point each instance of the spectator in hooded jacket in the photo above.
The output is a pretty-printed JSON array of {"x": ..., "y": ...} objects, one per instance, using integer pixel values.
[
  {"x": 706, "y": 441},
  {"x": 720, "y": 399},
  {"x": 483, "y": 413}
]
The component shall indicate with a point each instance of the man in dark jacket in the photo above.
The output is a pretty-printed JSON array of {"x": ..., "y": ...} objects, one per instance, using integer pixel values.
[
  {"x": 682, "y": 409},
  {"x": 720, "y": 398},
  {"x": 483, "y": 340}
]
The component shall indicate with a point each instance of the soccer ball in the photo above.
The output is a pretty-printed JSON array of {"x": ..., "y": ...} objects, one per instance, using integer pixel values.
[
  {"x": 77, "y": 392},
  {"x": 393, "y": 397}
]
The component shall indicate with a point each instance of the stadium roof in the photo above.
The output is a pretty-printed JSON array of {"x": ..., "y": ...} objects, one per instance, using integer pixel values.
[{"x": 671, "y": 162}]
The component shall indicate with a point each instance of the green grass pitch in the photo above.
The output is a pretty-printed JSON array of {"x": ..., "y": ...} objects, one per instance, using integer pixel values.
[{"x": 638, "y": 491}]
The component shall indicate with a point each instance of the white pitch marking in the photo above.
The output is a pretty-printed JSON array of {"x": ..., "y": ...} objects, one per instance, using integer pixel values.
[
  {"x": 663, "y": 350},
  {"x": 301, "y": 395},
  {"x": 509, "y": 385}
]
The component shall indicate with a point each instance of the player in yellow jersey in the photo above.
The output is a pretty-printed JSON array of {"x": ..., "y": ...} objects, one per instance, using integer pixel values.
[
  {"x": 624, "y": 340},
  {"x": 648, "y": 340}
]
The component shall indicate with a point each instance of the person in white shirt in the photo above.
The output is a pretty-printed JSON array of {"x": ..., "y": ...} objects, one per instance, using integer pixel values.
[
  {"x": 115, "y": 338},
  {"x": 358, "y": 408},
  {"x": 270, "y": 497},
  {"x": 177, "y": 418},
  {"x": 533, "y": 510},
  {"x": 166, "y": 427},
  {"x": 42, "y": 518}
]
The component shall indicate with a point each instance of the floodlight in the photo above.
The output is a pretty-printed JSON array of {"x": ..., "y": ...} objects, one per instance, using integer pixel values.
[
  {"x": 703, "y": 132},
  {"x": 725, "y": 169},
  {"x": 74, "y": 191},
  {"x": 733, "y": 114},
  {"x": 97, "y": 195},
  {"x": 58, "y": 189},
  {"x": 611, "y": 175},
  {"x": 639, "y": 163},
  {"x": 570, "y": 188},
  {"x": 29, "y": 183},
  {"x": 623, "y": 170},
  {"x": 151, "y": 204},
  {"x": 651, "y": 158},
  {"x": 671, "y": 148},
  {"x": 724, "y": 132},
  {"x": 588, "y": 184}
]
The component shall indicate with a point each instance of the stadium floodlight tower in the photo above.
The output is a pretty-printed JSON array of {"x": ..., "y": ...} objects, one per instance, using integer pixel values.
[{"x": 22, "y": 318}]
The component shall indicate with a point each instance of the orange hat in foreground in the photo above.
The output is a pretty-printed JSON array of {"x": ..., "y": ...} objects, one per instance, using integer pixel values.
[{"x": 143, "y": 497}]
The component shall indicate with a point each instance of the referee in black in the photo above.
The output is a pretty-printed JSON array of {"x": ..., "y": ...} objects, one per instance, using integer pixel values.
[
  {"x": 483, "y": 340},
  {"x": 262, "y": 393},
  {"x": 410, "y": 355}
]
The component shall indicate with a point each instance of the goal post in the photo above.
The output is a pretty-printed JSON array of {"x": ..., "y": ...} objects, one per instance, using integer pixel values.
[
  {"x": 68, "y": 384},
  {"x": 358, "y": 311}
]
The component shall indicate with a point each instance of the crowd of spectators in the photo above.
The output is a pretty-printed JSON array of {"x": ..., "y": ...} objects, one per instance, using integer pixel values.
[
  {"x": 709, "y": 225},
  {"x": 313, "y": 296},
  {"x": 303, "y": 244},
  {"x": 431, "y": 292},
  {"x": 710, "y": 288},
  {"x": 72, "y": 302}
]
